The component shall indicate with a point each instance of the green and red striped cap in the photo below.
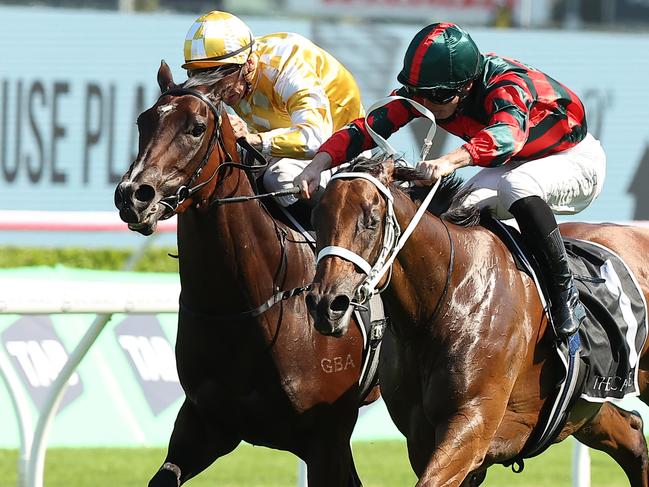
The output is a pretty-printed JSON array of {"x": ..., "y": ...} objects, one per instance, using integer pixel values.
[{"x": 441, "y": 55}]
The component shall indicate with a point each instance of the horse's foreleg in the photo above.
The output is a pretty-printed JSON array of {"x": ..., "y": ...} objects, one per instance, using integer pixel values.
[
  {"x": 194, "y": 445},
  {"x": 462, "y": 444},
  {"x": 328, "y": 454},
  {"x": 619, "y": 433},
  {"x": 331, "y": 464},
  {"x": 423, "y": 433}
]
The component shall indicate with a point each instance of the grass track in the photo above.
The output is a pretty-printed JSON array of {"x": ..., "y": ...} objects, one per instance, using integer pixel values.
[{"x": 380, "y": 464}]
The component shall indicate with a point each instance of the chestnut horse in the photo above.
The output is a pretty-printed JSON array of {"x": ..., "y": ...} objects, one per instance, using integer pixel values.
[
  {"x": 468, "y": 360},
  {"x": 261, "y": 377}
]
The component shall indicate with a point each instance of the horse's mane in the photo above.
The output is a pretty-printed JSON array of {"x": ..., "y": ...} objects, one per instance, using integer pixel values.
[{"x": 447, "y": 193}]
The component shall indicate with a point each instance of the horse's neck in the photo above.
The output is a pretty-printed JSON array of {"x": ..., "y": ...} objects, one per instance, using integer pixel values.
[
  {"x": 421, "y": 268},
  {"x": 445, "y": 270},
  {"x": 228, "y": 253}
]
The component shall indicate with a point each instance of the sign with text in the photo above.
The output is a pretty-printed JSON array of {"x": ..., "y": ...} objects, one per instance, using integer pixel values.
[
  {"x": 38, "y": 355},
  {"x": 152, "y": 360},
  {"x": 67, "y": 117}
]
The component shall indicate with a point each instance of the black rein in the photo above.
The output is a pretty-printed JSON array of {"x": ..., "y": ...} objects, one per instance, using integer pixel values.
[{"x": 186, "y": 190}]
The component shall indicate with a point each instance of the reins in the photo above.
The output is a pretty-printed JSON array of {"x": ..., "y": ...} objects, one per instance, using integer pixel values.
[
  {"x": 249, "y": 169},
  {"x": 393, "y": 238},
  {"x": 187, "y": 190},
  {"x": 242, "y": 199}
]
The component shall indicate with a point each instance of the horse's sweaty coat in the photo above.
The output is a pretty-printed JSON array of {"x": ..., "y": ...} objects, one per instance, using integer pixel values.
[
  {"x": 259, "y": 379},
  {"x": 469, "y": 361}
]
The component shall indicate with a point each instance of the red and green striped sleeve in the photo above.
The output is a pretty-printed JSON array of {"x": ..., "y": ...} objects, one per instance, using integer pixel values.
[
  {"x": 516, "y": 112},
  {"x": 354, "y": 138},
  {"x": 507, "y": 130}
]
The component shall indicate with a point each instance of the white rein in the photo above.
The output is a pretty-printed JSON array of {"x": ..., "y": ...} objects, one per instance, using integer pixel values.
[{"x": 393, "y": 238}]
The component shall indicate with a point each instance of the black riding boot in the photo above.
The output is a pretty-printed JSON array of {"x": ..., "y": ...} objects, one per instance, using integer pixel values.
[{"x": 539, "y": 228}]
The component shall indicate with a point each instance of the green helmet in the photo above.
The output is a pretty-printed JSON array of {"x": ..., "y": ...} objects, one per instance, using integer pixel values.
[{"x": 441, "y": 55}]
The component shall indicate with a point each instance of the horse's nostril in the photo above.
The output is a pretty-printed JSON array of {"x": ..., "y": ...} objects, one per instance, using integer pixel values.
[
  {"x": 145, "y": 193},
  {"x": 310, "y": 301},
  {"x": 123, "y": 194},
  {"x": 119, "y": 197},
  {"x": 339, "y": 304}
]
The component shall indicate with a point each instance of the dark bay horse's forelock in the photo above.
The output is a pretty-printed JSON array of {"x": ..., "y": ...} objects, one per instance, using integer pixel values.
[
  {"x": 467, "y": 364},
  {"x": 262, "y": 379}
]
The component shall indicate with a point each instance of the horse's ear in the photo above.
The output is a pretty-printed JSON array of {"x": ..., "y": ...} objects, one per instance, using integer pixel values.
[{"x": 165, "y": 78}]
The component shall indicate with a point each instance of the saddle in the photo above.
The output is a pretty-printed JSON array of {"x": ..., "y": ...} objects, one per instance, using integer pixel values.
[{"x": 600, "y": 361}]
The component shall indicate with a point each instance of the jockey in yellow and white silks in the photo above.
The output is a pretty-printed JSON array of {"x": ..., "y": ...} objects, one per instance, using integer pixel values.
[{"x": 291, "y": 94}]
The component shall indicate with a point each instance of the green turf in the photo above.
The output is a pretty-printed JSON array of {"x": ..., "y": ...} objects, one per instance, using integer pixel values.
[
  {"x": 380, "y": 464},
  {"x": 155, "y": 259}
]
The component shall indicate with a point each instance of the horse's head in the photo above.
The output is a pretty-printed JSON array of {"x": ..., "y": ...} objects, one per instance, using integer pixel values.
[
  {"x": 351, "y": 221},
  {"x": 181, "y": 145}
]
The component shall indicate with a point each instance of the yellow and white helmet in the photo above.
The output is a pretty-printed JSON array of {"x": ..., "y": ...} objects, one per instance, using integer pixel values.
[{"x": 217, "y": 38}]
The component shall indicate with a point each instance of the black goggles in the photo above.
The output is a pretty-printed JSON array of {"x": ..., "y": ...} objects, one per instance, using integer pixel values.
[{"x": 439, "y": 96}]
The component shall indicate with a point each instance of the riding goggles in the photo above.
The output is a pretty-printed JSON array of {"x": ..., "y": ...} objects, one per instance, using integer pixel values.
[{"x": 439, "y": 96}]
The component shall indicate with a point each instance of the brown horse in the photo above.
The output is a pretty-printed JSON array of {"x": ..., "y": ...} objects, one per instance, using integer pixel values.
[
  {"x": 262, "y": 377},
  {"x": 469, "y": 358}
]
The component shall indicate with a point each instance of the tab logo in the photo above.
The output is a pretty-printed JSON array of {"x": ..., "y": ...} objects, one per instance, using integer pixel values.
[
  {"x": 38, "y": 355},
  {"x": 152, "y": 360},
  {"x": 152, "y": 357}
]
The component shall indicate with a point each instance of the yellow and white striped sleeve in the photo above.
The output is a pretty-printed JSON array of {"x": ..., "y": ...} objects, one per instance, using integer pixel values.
[{"x": 306, "y": 102}]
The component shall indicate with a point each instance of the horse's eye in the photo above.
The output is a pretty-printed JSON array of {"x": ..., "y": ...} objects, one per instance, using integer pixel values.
[
  {"x": 371, "y": 220},
  {"x": 198, "y": 129}
]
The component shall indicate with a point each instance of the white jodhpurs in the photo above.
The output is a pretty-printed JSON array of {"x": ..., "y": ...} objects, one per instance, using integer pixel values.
[
  {"x": 281, "y": 173},
  {"x": 568, "y": 181}
]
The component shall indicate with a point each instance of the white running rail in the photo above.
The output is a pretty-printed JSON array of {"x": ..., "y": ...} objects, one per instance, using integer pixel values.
[
  {"x": 83, "y": 297},
  {"x": 21, "y": 300}
]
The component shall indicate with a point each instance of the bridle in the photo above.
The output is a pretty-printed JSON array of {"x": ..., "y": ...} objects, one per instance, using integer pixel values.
[
  {"x": 393, "y": 238},
  {"x": 391, "y": 233},
  {"x": 186, "y": 190},
  {"x": 393, "y": 242}
]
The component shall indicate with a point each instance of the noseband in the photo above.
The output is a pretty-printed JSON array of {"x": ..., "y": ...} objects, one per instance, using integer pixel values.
[
  {"x": 393, "y": 242},
  {"x": 391, "y": 233},
  {"x": 187, "y": 190}
]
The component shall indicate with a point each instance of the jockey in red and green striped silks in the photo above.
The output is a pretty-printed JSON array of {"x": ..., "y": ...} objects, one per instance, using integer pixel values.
[
  {"x": 512, "y": 111},
  {"x": 526, "y": 130}
]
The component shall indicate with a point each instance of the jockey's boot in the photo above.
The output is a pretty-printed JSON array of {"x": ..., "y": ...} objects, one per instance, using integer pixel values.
[
  {"x": 539, "y": 228},
  {"x": 567, "y": 310}
]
